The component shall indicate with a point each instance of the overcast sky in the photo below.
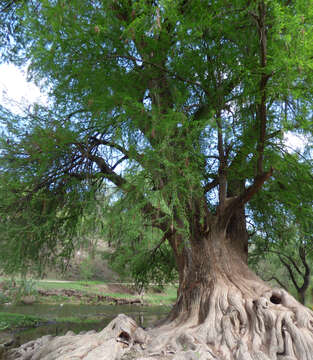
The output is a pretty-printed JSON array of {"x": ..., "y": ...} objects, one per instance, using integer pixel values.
[{"x": 15, "y": 90}]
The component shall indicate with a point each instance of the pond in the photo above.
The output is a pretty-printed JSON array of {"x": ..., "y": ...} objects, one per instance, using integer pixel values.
[{"x": 80, "y": 317}]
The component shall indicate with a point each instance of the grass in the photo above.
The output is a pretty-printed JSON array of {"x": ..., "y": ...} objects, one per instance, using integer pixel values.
[
  {"x": 85, "y": 290},
  {"x": 11, "y": 321},
  {"x": 167, "y": 297}
]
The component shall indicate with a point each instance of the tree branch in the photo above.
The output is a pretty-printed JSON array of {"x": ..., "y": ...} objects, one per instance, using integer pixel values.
[
  {"x": 103, "y": 166},
  {"x": 289, "y": 258},
  {"x": 288, "y": 267},
  {"x": 119, "y": 162},
  {"x": 165, "y": 236},
  {"x": 278, "y": 281},
  {"x": 148, "y": 209},
  {"x": 211, "y": 185},
  {"x": 130, "y": 155},
  {"x": 164, "y": 70},
  {"x": 307, "y": 271},
  {"x": 222, "y": 161},
  {"x": 237, "y": 201}
]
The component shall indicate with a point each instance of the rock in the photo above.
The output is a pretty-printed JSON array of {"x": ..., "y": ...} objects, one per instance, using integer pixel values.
[{"x": 28, "y": 299}]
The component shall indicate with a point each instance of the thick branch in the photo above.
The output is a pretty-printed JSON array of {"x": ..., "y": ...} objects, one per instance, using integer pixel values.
[
  {"x": 288, "y": 267},
  {"x": 211, "y": 185},
  {"x": 148, "y": 209},
  {"x": 222, "y": 160},
  {"x": 254, "y": 188},
  {"x": 307, "y": 271},
  {"x": 103, "y": 166},
  {"x": 242, "y": 199}
]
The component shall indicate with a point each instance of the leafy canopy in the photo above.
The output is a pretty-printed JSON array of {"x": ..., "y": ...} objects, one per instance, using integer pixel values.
[{"x": 174, "y": 107}]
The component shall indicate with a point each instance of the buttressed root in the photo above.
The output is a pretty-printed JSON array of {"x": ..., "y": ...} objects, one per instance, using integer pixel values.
[{"x": 272, "y": 326}]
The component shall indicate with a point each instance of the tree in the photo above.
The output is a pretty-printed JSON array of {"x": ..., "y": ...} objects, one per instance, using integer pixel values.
[
  {"x": 183, "y": 107},
  {"x": 284, "y": 230},
  {"x": 290, "y": 249}
]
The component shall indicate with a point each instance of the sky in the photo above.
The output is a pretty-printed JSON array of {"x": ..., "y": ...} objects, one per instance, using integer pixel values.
[{"x": 16, "y": 90}]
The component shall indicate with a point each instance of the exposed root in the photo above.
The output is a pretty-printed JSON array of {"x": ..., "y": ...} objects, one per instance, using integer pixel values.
[
  {"x": 270, "y": 326},
  {"x": 273, "y": 326}
]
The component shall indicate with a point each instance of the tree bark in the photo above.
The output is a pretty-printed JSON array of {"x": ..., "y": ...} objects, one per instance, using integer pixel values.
[
  {"x": 217, "y": 260},
  {"x": 223, "y": 312}
]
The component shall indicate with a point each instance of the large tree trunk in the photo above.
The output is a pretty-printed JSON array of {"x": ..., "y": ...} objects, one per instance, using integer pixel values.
[
  {"x": 223, "y": 312},
  {"x": 213, "y": 262}
]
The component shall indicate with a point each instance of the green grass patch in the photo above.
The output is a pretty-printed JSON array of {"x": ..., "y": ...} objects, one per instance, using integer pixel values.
[
  {"x": 12, "y": 321},
  {"x": 87, "y": 290},
  {"x": 167, "y": 297}
]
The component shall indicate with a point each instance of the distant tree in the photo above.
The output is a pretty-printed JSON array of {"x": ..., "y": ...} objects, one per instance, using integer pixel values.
[
  {"x": 289, "y": 249},
  {"x": 182, "y": 106},
  {"x": 284, "y": 225}
]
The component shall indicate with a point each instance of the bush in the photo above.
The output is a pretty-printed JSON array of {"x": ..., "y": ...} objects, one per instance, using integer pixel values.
[
  {"x": 86, "y": 269},
  {"x": 14, "y": 291}
]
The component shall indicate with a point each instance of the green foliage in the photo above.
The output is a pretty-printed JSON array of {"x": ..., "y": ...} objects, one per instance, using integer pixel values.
[
  {"x": 4, "y": 298},
  {"x": 284, "y": 237},
  {"x": 86, "y": 269},
  {"x": 137, "y": 251},
  {"x": 11, "y": 321},
  {"x": 15, "y": 290},
  {"x": 158, "y": 112}
]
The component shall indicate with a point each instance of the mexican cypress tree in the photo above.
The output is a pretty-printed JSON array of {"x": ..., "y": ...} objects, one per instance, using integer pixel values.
[{"x": 182, "y": 106}]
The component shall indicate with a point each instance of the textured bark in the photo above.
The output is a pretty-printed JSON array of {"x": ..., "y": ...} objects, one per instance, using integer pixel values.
[{"x": 223, "y": 312}]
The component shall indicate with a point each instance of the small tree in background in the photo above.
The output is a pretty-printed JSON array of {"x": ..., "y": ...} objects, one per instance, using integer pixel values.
[
  {"x": 284, "y": 230},
  {"x": 289, "y": 249}
]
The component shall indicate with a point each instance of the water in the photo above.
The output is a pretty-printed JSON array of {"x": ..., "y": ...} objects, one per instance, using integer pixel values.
[{"x": 93, "y": 317}]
